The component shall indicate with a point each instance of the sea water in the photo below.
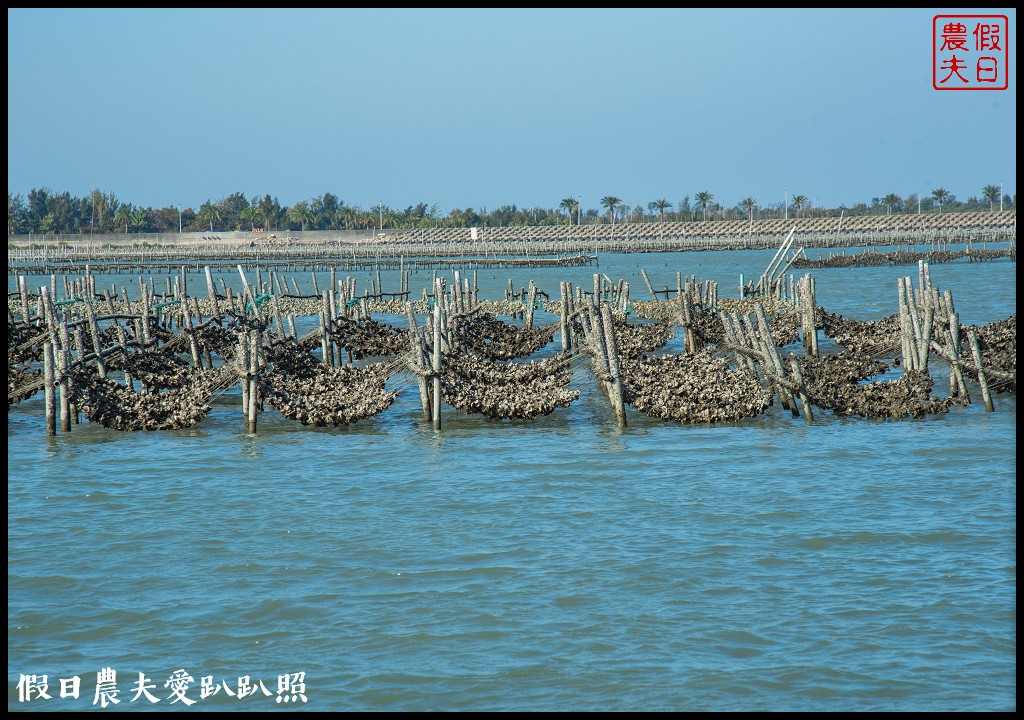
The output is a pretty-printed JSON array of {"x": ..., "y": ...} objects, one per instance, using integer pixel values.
[{"x": 557, "y": 564}]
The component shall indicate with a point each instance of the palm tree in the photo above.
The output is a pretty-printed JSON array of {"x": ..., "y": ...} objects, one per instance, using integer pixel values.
[
  {"x": 800, "y": 201},
  {"x": 748, "y": 204},
  {"x": 704, "y": 199},
  {"x": 270, "y": 208},
  {"x": 299, "y": 213},
  {"x": 570, "y": 205},
  {"x": 611, "y": 202},
  {"x": 208, "y": 214},
  {"x": 344, "y": 217},
  {"x": 249, "y": 215},
  {"x": 139, "y": 217},
  {"x": 660, "y": 205},
  {"x": 891, "y": 200},
  {"x": 124, "y": 215},
  {"x": 991, "y": 193},
  {"x": 941, "y": 195}
]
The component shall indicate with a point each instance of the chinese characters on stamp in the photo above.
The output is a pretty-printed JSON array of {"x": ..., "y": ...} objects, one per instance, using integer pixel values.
[{"x": 970, "y": 52}]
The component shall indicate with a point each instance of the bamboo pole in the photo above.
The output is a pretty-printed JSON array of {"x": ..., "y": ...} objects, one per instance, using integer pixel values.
[
  {"x": 254, "y": 369},
  {"x": 926, "y": 331},
  {"x": 64, "y": 363},
  {"x": 530, "y": 304},
  {"x": 783, "y": 249},
  {"x": 615, "y": 384},
  {"x": 277, "y": 317},
  {"x": 772, "y": 351},
  {"x": 186, "y": 315},
  {"x": 23, "y": 291},
  {"x": 244, "y": 372},
  {"x": 650, "y": 288},
  {"x": 805, "y": 401},
  {"x": 812, "y": 316},
  {"x": 906, "y": 336},
  {"x": 94, "y": 331},
  {"x": 976, "y": 351},
  {"x": 325, "y": 343},
  {"x": 563, "y": 316},
  {"x": 957, "y": 386},
  {"x": 49, "y": 374},
  {"x": 417, "y": 357},
  {"x": 211, "y": 290},
  {"x": 600, "y": 351},
  {"x": 438, "y": 315}
]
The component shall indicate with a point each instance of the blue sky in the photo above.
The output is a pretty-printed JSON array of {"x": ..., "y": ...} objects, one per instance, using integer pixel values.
[{"x": 481, "y": 108}]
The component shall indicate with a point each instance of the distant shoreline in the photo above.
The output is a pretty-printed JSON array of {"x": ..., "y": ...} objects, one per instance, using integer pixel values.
[{"x": 830, "y": 231}]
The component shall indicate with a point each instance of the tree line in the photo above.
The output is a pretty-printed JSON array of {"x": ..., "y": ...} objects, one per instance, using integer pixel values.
[{"x": 46, "y": 212}]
